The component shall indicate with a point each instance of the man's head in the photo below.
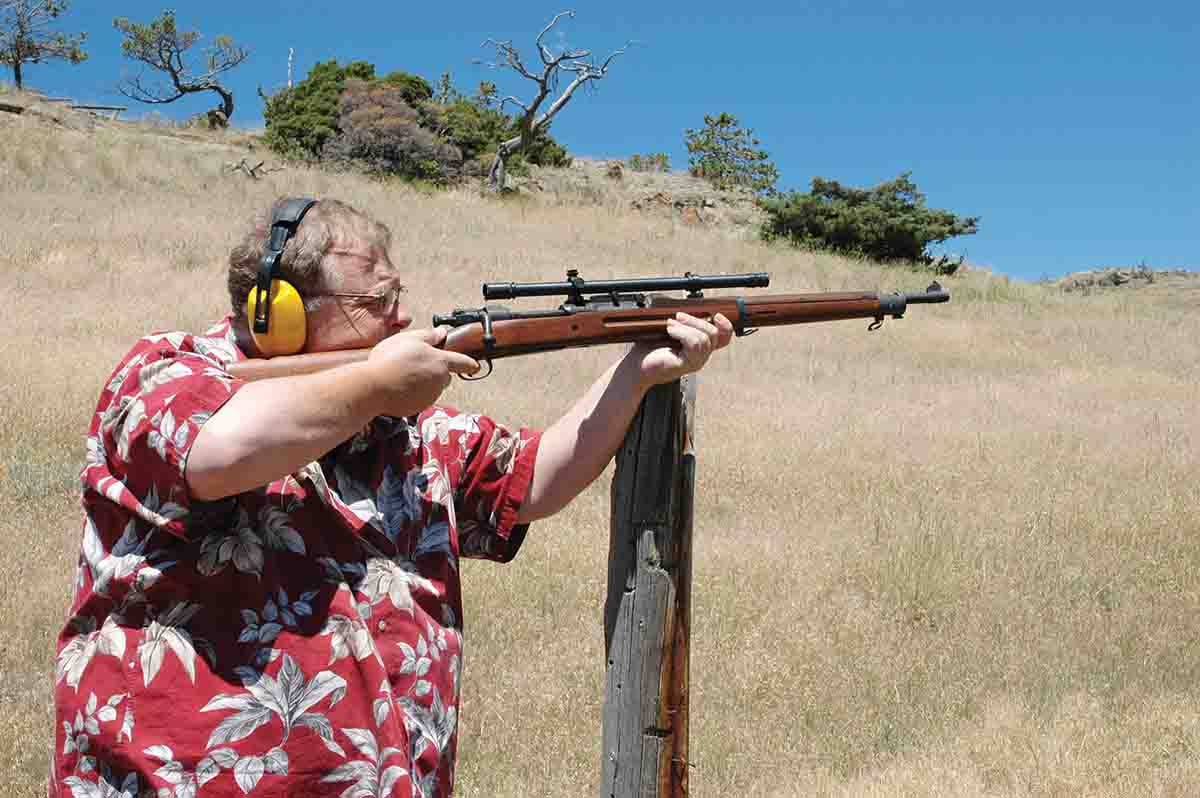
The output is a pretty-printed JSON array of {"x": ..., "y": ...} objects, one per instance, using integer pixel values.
[{"x": 338, "y": 261}]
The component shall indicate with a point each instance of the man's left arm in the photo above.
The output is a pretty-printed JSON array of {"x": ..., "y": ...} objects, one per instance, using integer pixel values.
[{"x": 577, "y": 447}]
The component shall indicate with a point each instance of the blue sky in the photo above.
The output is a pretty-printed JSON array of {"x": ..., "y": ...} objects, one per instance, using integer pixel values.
[{"x": 1070, "y": 128}]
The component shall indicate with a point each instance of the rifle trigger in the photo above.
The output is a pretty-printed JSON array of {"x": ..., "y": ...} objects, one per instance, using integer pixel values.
[
  {"x": 485, "y": 375},
  {"x": 875, "y": 325}
]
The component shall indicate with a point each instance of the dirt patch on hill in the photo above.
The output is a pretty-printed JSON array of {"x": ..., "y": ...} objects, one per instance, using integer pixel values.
[{"x": 673, "y": 195}]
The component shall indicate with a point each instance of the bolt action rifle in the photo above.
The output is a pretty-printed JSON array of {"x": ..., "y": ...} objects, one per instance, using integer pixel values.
[{"x": 613, "y": 311}]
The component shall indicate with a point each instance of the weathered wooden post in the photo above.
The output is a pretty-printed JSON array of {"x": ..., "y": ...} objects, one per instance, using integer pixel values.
[{"x": 647, "y": 611}]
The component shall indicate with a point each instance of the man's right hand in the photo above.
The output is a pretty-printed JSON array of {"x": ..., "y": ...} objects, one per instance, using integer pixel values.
[{"x": 410, "y": 370}]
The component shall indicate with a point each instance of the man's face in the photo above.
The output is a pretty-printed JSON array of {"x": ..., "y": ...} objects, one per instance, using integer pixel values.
[{"x": 355, "y": 322}]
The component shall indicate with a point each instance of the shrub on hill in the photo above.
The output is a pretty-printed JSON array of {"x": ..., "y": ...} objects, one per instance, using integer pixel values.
[
  {"x": 886, "y": 223},
  {"x": 299, "y": 120},
  {"x": 658, "y": 162},
  {"x": 381, "y": 132},
  {"x": 727, "y": 155},
  {"x": 456, "y": 135}
]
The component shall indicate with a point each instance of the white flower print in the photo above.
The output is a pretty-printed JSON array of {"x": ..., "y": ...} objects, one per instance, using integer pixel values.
[
  {"x": 175, "y": 339},
  {"x": 358, "y": 497},
  {"x": 289, "y": 697},
  {"x": 433, "y": 725},
  {"x": 397, "y": 581},
  {"x": 156, "y": 512},
  {"x": 167, "y": 434},
  {"x": 160, "y": 372},
  {"x": 439, "y": 424},
  {"x": 247, "y": 770},
  {"x": 437, "y": 486},
  {"x": 383, "y": 706},
  {"x": 76, "y": 737},
  {"x": 215, "y": 348},
  {"x": 349, "y": 637},
  {"x": 109, "y": 785},
  {"x": 371, "y": 779},
  {"x": 127, "y": 555},
  {"x": 118, "y": 379},
  {"x": 167, "y": 632},
  {"x": 77, "y": 654},
  {"x": 131, "y": 416},
  {"x": 505, "y": 448},
  {"x": 97, "y": 455}
]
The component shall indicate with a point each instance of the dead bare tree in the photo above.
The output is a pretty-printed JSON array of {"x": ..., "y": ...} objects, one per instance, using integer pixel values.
[
  {"x": 163, "y": 47},
  {"x": 256, "y": 171},
  {"x": 533, "y": 120}
]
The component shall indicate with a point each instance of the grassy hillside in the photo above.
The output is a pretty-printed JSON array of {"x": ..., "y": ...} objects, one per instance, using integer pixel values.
[{"x": 957, "y": 556}]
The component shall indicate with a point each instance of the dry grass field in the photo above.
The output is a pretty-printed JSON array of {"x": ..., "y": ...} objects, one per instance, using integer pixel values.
[{"x": 959, "y": 556}]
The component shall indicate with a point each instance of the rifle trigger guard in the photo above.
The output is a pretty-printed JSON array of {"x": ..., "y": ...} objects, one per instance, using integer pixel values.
[
  {"x": 875, "y": 325},
  {"x": 485, "y": 375}
]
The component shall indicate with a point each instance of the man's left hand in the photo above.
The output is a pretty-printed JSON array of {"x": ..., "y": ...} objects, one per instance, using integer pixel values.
[{"x": 695, "y": 339}]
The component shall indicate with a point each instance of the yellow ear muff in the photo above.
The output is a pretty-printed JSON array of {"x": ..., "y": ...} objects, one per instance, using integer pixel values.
[{"x": 287, "y": 326}]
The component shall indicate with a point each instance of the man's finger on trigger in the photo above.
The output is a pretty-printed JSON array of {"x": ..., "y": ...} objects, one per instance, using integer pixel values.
[{"x": 461, "y": 364}]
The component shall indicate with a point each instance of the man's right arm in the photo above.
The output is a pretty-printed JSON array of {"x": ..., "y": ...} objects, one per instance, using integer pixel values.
[{"x": 275, "y": 427}]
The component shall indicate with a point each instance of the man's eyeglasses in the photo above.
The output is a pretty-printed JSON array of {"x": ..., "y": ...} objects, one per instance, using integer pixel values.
[{"x": 383, "y": 300}]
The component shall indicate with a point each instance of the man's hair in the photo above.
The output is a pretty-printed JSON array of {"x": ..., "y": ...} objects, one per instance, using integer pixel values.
[{"x": 327, "y": 224}]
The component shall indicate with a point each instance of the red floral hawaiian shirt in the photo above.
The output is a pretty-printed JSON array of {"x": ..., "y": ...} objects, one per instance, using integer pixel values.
[{"x": 302, "y": 639}]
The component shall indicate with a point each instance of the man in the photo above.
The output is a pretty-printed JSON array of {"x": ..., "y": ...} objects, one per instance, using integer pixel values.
[{"x": 268, "y": 597}]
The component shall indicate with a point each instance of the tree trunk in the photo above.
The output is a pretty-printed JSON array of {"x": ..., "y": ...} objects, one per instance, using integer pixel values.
[
  {"x": 17, "y": 71},
  {"x": 226, "y": 103},
  {"x": 219, "y": 117},
  {"x": 495, "y": 181}
]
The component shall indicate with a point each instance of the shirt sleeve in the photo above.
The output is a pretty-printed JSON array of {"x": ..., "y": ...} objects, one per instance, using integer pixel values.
[
  {"x": 146, "y": 421},
  {"x": 493, "y": 480}
]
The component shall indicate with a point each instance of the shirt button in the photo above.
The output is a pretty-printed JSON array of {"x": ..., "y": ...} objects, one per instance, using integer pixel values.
[{"x": 383, "y": 626}]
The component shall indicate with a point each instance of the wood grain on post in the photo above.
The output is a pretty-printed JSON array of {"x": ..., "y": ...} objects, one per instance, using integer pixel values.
[{"x": 644, "y": 740}]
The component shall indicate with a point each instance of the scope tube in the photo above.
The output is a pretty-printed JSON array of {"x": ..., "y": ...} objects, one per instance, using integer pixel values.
[{"x": 691, "y": 282}]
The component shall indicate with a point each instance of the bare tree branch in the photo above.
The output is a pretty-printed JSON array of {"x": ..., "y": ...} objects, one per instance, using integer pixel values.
[
  {"x": 531, "y": 123},
  {"x": 161, "y": 46},
  {"x": 255, "y": 172}
]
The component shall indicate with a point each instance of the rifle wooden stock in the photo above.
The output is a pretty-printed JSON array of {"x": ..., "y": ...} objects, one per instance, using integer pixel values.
[{"x": 594, "y": 327}]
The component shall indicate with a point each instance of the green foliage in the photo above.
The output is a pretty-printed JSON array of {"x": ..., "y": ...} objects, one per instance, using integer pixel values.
[
  {"x": 457, "y": 136},
  {"x": 25, "y": 37},
  {"x": 301, "y": 119},
  {"x": 727, "y": 156},
  {"x": 414, "y": 89},
  {"x": 382, "y": 133},
  {"x": 886, "y": 223},
  {"x": 658, "y": 162},
  {"x": 541, "y": 150}
]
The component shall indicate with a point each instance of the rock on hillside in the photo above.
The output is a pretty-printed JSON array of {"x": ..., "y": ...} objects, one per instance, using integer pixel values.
[{"x": 1137, "y": 277}]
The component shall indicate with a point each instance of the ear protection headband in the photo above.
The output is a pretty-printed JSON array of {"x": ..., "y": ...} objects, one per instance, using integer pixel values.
[{"x": 274, "y": 307}]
